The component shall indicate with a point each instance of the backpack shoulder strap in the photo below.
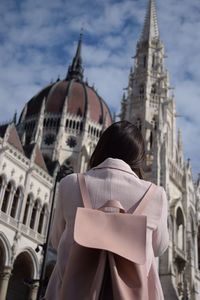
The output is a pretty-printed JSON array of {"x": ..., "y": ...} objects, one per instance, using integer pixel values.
[
  {"x": 144, "y": 200},
  {"x": 84, "y": 192}
]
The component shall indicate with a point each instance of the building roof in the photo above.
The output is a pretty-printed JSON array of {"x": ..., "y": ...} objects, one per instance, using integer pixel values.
[
  {"x": 13, "y": 138},
  {"x": 33, "y": 149},
  {"x": 11, "y": 135},
  {"x": 71, "y": 95},
  {"x": 34, "y": 105},
  {"x": 39, "y": 160},
  {"x": 28, "y": 150},
  {"x": 76, "y": 98}
]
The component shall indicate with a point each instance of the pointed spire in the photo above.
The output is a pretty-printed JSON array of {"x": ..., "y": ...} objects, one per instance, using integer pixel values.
[
  {"x": 198, "y": 180},
  {"x": 75, "y": 70},
  {"x": 123, "y": 107},
  {"x": 15, "y": 118},
  {"x": 180, "y": 143},
  {"x": 150, "y": 29}
]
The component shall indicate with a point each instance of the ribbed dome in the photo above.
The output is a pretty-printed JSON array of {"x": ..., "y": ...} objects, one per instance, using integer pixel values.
[
  {"x": 71, "y": 95},
  {"x": 76, "y": 98}
]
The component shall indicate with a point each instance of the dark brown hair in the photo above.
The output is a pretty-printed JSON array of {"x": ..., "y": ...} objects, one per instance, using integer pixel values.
[{"x": 121, "y": 140}]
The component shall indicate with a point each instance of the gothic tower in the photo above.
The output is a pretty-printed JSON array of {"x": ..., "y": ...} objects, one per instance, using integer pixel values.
[
  {"x": 149, "y": 103},
  {"x": 148, "y": 99}
]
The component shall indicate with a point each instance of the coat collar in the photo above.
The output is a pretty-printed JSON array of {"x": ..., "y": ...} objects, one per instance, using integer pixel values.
[{"x": 115, "y": 163}]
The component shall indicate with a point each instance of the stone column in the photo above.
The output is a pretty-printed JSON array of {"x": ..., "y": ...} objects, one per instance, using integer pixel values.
[
  {"x": 10, "y": 200},
  {"x": 33, "y": 291},
  {"x": 19, "y": 206},
  {"x": 45, "y": 222},
  {"x": 5, "y": 276},
  {"x": 37, "y": 217},
  {"x": 28, "y": 219},
  {"x": 196, "y": 249}
]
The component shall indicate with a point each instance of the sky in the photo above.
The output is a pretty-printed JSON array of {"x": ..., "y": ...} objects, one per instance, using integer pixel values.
[{"x": 38, "y": 40}]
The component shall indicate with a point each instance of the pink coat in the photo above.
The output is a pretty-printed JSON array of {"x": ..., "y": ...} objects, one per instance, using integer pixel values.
[{"x": 113, "y": 179}]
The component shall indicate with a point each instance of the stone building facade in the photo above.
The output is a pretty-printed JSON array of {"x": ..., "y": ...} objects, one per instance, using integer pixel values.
[
  {"x": 66, "y": 118},
  {"x": 25, "y": 198},
  {"x": 60, "y": 126},
  {"x": 150, "y": 105}
]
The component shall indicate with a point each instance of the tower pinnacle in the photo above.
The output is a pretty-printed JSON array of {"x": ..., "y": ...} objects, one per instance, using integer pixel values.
[
  {"x": 75, "y": 70},
  {"x": 150, "y": 29}
]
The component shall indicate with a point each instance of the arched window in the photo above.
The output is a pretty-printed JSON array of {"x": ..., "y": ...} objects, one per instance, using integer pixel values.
[
  {"x": 141, "y": 90},
  {"x": 51, "y": 123},
  {"x": 153, "y": 61},
  {"x": 144, "y": 61},
  {"x": 70, "y": 124},
  {"x": 77, "y": 125},
  {"x": 198, "y": 243},
  {"x": 139, "y": 123},
  {"x": 180, "y": 229},
  {"x": 74, "y": 124},
  {"x": 33, "y": 215},
  {"x": 151, "y": 140},
  {"x": 177, "y": 160},
  {"x": 1, "y": 184},
  {"x": 54, "y": 122},
  {"x": 23, "y": 268},
  {"x": 6, "y": 197},
  {"x": 15, "y": 203},
  {"x": 26, "y": 209},
  {"x": 193, "y": 244},
  {"x": 154, "y": 123},
  {"x": 153, "y": 89},
  {"x": 41, "y": 220},
  {"x": 67, "y": 123},
  {"x": 81, "y": 126}
]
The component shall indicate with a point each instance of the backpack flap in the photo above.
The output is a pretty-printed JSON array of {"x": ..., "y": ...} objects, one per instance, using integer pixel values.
[{"x": 122, "y": 234}]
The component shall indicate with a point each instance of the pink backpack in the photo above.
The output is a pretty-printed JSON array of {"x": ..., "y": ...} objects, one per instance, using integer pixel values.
[{"x": 108, "y": 258}]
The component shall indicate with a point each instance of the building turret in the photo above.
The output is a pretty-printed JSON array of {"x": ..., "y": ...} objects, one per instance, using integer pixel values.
[
  {"x": 75, "y": 70},
  {"x": 148, "y": 90}
]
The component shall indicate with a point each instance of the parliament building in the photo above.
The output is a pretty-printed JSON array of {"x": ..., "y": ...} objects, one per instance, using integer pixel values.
[{"x": 60, "y": 126}]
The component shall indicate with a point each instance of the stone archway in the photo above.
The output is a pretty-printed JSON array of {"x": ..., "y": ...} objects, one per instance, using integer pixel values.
[
  {"x": 23, "y": 271},
  {"x": 198, "y": 246},
  {"x": 2, "y": 265},
  {"x": 5, "y": 269},
  {"x": 2, "y": 256}
]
